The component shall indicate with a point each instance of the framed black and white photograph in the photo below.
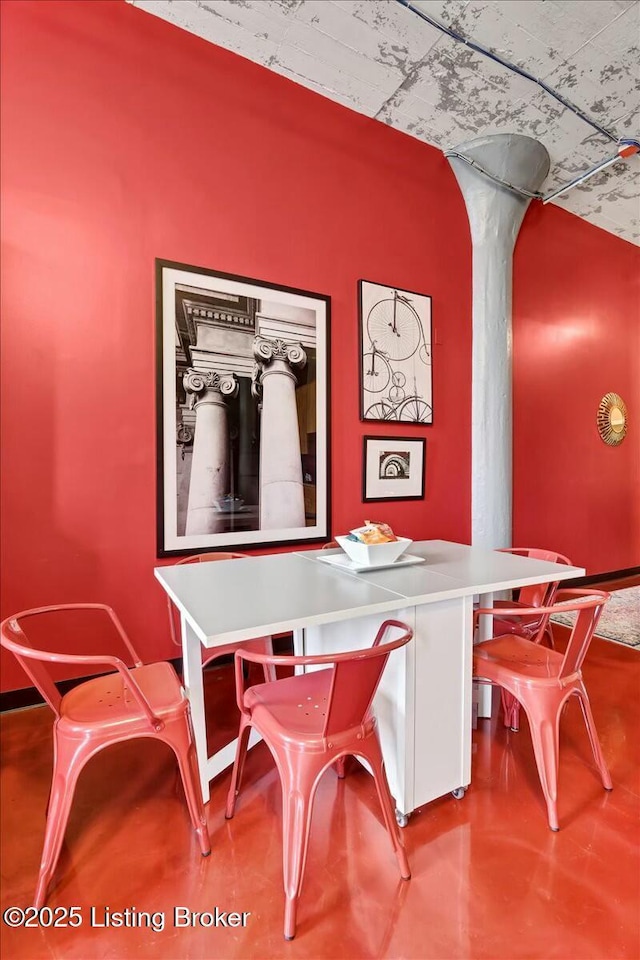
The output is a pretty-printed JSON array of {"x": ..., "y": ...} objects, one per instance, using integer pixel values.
[
  {"x": 242, "y": 400},
  {"x": 395, "y": 354},
  {"x": 393, "y": 468}
]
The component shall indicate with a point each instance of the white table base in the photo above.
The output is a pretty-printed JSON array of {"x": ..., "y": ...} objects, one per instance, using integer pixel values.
[{"x": 423, "y": 705}]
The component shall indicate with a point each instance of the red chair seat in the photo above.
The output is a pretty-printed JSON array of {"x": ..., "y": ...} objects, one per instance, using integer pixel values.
[
  {"x": 292, "y": 707},
  {"x": 105, "y": 701},
  {"x": 533, "y": 626},
  {"x": 294, "y": 710},
  {"x": 522, "y": 656}
]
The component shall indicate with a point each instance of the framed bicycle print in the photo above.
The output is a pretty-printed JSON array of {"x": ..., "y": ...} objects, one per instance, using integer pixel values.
[
  {"x": 393, "y": 468},
  {"x": 395, "y": 354},
  {"x": 242, "y": 412}
]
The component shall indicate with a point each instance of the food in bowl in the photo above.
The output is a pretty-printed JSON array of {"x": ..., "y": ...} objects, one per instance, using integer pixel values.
[
  {"x": 373, "y": 531},
  {"x": 371, "y": 554}
]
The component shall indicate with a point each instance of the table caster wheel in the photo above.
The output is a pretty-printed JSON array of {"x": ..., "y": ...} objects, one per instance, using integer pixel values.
[
  {"x": 459, "y": 792},
  {"x": 402, "y": 819}
]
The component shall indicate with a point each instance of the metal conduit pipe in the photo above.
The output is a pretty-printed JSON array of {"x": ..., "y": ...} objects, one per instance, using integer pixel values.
[
  {"x": 626, "y": 146},
  {"x": 510, "y": 66}
]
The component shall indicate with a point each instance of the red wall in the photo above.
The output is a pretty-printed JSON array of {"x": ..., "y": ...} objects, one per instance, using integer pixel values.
[
  {"x": 576, "y": 326},
  {"x": 126, "y": 139}
]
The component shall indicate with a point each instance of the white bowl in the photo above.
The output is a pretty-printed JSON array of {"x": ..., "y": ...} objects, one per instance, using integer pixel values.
[{"x": 370, "y": 554}]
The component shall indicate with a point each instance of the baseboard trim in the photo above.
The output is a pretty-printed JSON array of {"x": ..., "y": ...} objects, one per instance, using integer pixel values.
[{"x": 603, "y": 578}]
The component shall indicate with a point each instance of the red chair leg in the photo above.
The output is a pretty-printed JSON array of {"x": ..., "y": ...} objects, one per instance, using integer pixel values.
[
  {"x": 598, "y": 756},
  {"x": 69, "y": 759},
  {"x": 510, "y": 710},
  {"x": 298, "y": 790},
  {"x": 340, "y": 765},
  {"x": 547, "y": 637},
  {"x": 265, "y": 645},
  {"x": 238, "y": 767},
  {"x": 181, "y": 742},
  {"x": 374, "y": 756},
  {"x": 544, "y": 734}
]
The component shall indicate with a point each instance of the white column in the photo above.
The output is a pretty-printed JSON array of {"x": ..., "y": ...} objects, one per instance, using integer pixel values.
[
  {"x": 210, "y": 464},
  {"x": 495, "y": 215},
  {"x": 281, "y": 490}
]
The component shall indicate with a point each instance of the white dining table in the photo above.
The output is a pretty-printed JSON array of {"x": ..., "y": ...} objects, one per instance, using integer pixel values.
[{"x": 424, "y": 702}]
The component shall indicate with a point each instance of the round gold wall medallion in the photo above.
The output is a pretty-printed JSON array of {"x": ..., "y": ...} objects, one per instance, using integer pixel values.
[{"x": 612, "y": 419}]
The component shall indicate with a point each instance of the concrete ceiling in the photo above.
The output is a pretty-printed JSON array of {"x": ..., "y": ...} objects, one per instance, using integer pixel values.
[{"x": 383, "y": 60}]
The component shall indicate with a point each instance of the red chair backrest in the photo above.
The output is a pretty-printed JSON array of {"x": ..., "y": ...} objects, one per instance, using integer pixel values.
[
  {"x": 588, "y": 604},
  {"x": 13, "y": 637},
  {"x": 356, "y": 676},
  {"x": 537, "y": 594}
]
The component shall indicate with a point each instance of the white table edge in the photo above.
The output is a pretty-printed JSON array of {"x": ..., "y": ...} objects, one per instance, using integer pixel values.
[{"x": 350, "y": 613}]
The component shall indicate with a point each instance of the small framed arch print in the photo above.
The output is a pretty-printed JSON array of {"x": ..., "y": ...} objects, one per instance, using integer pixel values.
[{"x": 393, "y": 468}]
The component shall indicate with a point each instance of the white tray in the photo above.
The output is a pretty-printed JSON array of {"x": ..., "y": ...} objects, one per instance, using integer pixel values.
[{"x": 342, "y": 560}]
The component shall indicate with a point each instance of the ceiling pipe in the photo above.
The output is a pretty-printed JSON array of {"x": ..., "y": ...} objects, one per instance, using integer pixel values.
[
  {"x": 626, "y": 148},
  {"x": 495, "y": 215},
  {"x": 492, "y": 55}
]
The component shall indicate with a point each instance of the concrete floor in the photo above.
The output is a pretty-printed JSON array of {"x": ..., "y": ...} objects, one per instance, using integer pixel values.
[{"x": 490, "y": 880}]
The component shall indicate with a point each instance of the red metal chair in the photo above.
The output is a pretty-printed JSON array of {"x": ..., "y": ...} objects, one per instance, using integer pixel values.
[
  {"x": 308, "y": 722},
  {"x": 537, "y": 628},
  {"x": 542, "y": 680},
  {"x": 534, "y": 627},
  {"x": 259, "y": 645},
  {"x": 146, "y": 701}
]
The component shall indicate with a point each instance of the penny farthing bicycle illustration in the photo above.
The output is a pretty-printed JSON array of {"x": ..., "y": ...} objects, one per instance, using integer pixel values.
[{"x": 395, "y": 362}]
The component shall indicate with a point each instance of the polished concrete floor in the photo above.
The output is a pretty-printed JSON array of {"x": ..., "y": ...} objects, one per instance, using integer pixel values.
[{"x": 489, "y": 878}]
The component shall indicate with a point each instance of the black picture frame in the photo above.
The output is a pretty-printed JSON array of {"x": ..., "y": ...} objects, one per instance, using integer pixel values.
[
  {"x": 222, "y": 424},
  {"x": 395, "y": 357},
  {"x": 393, "y": 468}
]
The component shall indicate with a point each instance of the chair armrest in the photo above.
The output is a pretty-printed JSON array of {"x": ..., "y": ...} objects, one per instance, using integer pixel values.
[
  {"x": 14, "y": 622},
  {"x": 137, "y": 662},
  {"x": 94, "y": 660}
]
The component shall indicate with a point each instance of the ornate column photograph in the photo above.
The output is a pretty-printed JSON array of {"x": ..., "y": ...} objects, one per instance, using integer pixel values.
[{"x": 242, "y": 370}]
